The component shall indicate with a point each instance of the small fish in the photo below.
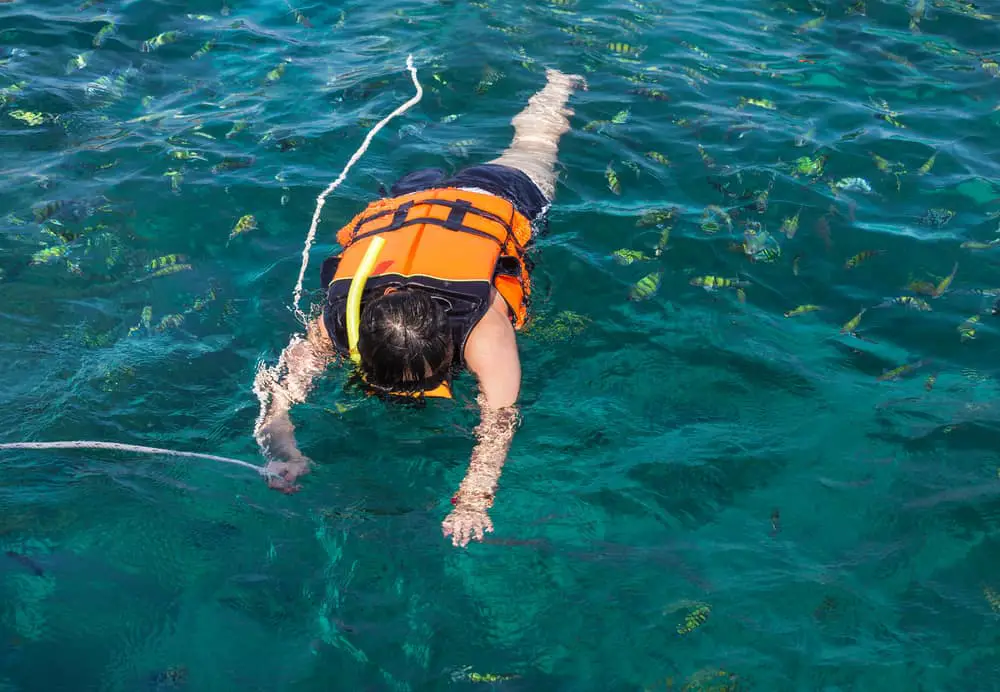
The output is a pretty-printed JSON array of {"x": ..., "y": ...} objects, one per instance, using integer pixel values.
[
  {"x": 489, "y": 80},
  {"x": 46, "y": 210},
  {"x": 233, "y": 164},
  {"x": 245, "y": 224},
  {"x": 633, "y": 166},
  {"x": 658, "y": 158},
  {"x": 199, "y": 17},
  {"x": 945, "y": 282},
  {"x": 775, "y": 521},
  {"x": 160, "y": 40},
  {"x": 928, "y": 165},
  {"x": 176, "y": 178},
  {"x": 881, "y": 163},
  {"x": 758, "y": 244},
  {"x": 967, "y": 330},
  {"x": 646, "y": 287},
  {"x": 992, "y": 598},
  {"x": 853, "y": 185},
  {"x": 695, "y": 619},
  {"x": 929, "y": 382},
  {"x": 170, "y": 322},
  {"x": 852, "y": 324},
  {"x": 78, "y": 62},
  {"x": 300, "y": 18},
  {"x": 30, "y": 118},
  {"x": 165, "y": 261},
  {"x": 713, "y": 217},
  {"x": 612, "y": 177},
  {"x": 795, "y": 265},
  {"x": 596, "y": 125},
  {"x": 802, "y": 310},
  {"x": 104, "y": 33},
  {"x": 277, "y": 73},
  {"x": 916, "y": 14},
  {"x": 766, "y": 104},
  {"x": 167, "y": 271},
  {"x": 46, "y": 255},
  {"x": 650, "y": 93},
  {"x": 711, "y": 283},
  {"x": 862, "y": 257},
  {"x": 203, "y": 51},
  {"x": 811, "y": 24},
  {"x": 706, "y": 159},
  {"x": 896, "y": 373},
  {"x": 741, "y": 296},
  {"x": 491, "y": 677},
  {"x": 811, "y": 166},
  {"x": 237, "y": 128},
  {"x": 976, "y": 245},
  {"x": 760, "y": 202},
  {"x": 909, "y": 302},
  {"x": 186, "y": 155},
  {"x": 661, "y": 244},
  {"x": 790, "y": 226},
  {"x": 937, "y": 217},
  {"x": 625, "y": 49},
  {"x": 461, "y": 147},
  {"x": 656, "y": 217},
  {"x": 626, "y": 257}
]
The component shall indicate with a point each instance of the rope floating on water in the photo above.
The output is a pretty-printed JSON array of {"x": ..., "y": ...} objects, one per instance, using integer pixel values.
[
  {"x": 321, "y": 200},
  {"x": 92, "y": 444}
]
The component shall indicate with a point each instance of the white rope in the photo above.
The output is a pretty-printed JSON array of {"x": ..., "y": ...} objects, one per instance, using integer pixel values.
[
  {"x": 90, "y": 444},
  {"x": 321, "y": 200}
]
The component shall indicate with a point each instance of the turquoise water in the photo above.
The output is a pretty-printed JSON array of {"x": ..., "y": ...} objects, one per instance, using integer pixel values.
[{"x": 705, "y": 494}]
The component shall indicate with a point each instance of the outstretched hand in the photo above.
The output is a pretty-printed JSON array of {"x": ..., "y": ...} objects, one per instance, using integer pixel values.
[
  {"x": 281, "y": 475},
  {"x": 466, "y": 523}
]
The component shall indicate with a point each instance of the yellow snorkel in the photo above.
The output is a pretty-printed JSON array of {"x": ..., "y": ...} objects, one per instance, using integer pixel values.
[{"x": 354, "y": 295}]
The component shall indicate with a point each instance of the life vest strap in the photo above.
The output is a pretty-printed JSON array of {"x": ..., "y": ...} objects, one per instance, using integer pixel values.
[{"x": 453, "y": 222}]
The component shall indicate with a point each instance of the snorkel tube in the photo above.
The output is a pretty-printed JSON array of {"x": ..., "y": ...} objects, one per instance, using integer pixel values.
[{"x": 354, "y": 295}]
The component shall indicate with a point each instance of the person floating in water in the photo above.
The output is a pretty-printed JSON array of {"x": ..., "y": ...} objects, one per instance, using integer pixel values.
[{"x": 448, "y": 289}]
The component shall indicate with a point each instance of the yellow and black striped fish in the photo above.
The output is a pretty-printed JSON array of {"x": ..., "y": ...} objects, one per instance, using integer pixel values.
[
  {"x": 646, "y": 287},
  {"x": 864, "y": 256},
  {"x": 612, "y": 177},
  {"x": 626, "y": 49},
  {"x": 710, "y": 283}
]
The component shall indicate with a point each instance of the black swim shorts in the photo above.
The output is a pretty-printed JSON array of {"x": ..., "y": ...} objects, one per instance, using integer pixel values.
[{"x": 503, "y": 181}]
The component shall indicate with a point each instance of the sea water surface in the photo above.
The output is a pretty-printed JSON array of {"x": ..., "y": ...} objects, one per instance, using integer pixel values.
[{"x": 705, "y": 494}]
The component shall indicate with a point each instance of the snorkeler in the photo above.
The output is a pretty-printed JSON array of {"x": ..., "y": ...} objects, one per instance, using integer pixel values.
[{"x": 449, "y": 286}]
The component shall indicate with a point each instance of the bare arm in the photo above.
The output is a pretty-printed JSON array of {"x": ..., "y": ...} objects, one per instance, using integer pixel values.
[
  {"x": 281, "y": 387},
  {"x": 490, "y": 353}
]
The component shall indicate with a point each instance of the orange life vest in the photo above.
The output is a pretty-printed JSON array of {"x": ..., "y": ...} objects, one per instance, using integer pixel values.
[{"x": 457, "y": 245}]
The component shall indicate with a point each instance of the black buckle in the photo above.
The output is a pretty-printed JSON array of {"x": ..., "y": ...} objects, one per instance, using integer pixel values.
[{"x": 456, "y": 217}]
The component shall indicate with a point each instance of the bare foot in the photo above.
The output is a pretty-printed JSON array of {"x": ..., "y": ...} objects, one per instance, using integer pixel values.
[{"x": 573, "y": 81}]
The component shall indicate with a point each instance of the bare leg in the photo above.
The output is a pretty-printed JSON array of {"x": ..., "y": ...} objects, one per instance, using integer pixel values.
[{"x": 537, "y": 130}]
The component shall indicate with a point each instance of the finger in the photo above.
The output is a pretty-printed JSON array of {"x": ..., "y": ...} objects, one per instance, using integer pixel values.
[{"x": 478, "y": 533}]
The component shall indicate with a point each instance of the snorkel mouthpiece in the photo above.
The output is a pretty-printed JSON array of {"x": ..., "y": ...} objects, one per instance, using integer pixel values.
[{"x": 354, "y": 295}]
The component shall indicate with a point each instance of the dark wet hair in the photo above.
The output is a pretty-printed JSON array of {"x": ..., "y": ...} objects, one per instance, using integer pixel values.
[{"x": 405, "y": 342}]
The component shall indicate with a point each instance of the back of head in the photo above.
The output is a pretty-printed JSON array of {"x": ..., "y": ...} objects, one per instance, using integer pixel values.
[{"x": 405, "y": 341}]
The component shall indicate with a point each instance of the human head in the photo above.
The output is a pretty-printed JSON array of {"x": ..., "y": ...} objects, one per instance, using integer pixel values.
[{"x": 404, "y": 341}]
